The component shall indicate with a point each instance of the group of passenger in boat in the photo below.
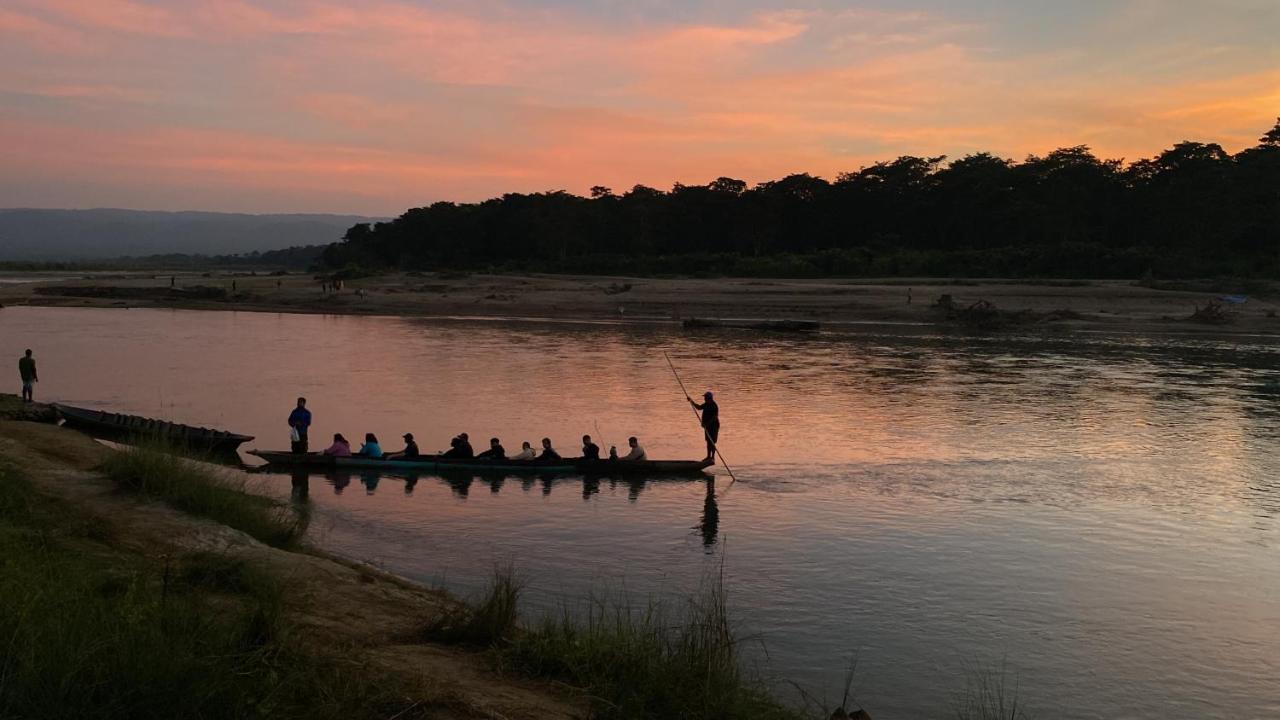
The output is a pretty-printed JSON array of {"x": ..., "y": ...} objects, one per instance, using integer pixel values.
[{"x": 460, "y": 447}]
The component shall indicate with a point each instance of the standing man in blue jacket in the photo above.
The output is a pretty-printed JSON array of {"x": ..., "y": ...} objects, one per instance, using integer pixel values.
[{"x": 300, "y": 421}]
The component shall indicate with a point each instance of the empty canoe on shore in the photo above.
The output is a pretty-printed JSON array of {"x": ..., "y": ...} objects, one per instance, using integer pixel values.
[
  {"x": 435, "y": 463},
  {"x": 134, "y": 427},
  {"x": 774, "y": 325}
]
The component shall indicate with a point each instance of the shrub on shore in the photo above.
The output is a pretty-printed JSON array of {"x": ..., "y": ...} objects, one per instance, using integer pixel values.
[{"x": 199, "y": 489}]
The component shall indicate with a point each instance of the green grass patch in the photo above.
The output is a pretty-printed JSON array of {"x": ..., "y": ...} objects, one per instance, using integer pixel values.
[
  {"x": 200, "y": 489},
  {"x": 630, "y": 663},
  {"x": 488, "y": 622},
  {"x": 89, "y": 632}
]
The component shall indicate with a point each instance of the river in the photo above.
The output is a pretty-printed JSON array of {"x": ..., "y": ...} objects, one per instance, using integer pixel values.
[{"x": 1097, "y": 514}]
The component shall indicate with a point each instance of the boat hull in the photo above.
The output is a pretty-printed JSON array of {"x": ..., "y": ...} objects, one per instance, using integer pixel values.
[
  {"x": 117, "y": 426},
  {"x": 435, "y": 463}
]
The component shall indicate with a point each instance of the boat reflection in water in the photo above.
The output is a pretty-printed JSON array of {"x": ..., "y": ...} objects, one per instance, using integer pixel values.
[{"x": 460, "y": 483}]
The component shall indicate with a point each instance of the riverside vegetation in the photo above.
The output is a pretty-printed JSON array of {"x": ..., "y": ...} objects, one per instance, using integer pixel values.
[
  {"x": 91, "y": 631},
  {"x": 1194, "y": 210}
]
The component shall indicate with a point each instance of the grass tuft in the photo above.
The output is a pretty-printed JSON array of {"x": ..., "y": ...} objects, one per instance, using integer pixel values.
[
  {"x": 987, "y": 696},
  {"x": 630, "y": 663},
  {"x": 490, "y": 622},
  {"x": 199, "y": 489}
]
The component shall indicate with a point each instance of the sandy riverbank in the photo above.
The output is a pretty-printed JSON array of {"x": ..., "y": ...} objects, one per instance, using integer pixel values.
[{"x": 1102, "y": 304}]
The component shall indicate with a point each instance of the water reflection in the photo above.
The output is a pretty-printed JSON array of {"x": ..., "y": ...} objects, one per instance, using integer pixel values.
[
  {"x": 1088, "y": 506},
  {"x": 709, "y": 526},
  {"x": 460, "y": 484},
  {"x": 301, "y": 486}
]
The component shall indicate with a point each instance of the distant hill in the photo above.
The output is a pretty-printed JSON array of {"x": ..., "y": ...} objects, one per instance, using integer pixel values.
[{"x": 32, "y": 234}]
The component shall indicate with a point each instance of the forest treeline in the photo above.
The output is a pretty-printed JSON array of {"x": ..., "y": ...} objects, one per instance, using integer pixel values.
[{"x": 1194, "y": 210}]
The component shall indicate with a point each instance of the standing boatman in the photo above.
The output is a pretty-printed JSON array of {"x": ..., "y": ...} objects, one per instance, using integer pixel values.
[
  {"x": 27, "y": 370},
  {"x": 710, "y": 422},
  {"x": 300, "y": 421}
]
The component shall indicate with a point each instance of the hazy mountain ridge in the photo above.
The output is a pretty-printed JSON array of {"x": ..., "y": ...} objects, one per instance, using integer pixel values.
[{"x": 55, "y": 234}]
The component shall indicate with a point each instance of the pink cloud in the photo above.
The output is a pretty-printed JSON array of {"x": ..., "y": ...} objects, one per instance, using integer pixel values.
[
  {"x": 27, "y": 30},
  {"x": 125, "y": 16},
  {"x": 399, "y": 104}
]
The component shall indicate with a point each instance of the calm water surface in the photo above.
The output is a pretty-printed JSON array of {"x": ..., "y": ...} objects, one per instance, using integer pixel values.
[{"x": 1098, "y": 513}]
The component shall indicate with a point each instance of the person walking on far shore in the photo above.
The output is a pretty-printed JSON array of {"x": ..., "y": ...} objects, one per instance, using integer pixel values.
[
  {"x": 27, "y": 370},
  {"x": 300, "y": 421},
  {"x": 710, "y": 421}
]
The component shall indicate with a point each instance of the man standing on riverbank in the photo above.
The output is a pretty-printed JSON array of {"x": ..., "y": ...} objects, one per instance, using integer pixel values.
[
  {"x": 300, "y": 421},
  {"x": 27, "y": 369}
]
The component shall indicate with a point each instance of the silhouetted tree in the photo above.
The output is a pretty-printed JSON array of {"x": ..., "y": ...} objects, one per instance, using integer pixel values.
[{"x": 1193, "y": 209}]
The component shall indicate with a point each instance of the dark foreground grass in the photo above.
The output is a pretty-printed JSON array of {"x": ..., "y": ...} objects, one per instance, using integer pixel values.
[
  {"x": 631, "y": 664},
  {"x": 988, "y": 696},
  {"x": 486, "y": 623},
  {"x": 89, "y": 633},
  {"x": 201, "y": 489}
]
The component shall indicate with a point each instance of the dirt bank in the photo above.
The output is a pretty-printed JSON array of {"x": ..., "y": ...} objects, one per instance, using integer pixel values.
[
  {"x": 1115, "y": 305},
  {"x": 341, "y": 608}
]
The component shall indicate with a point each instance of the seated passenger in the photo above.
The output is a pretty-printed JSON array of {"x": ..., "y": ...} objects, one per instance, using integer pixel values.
[
  {"x": 495, "y": 451},
  {"x": 460, "y": 447},
  {"x": 590, "y": 450},
  {"x": 526, "y": 452},
  {"x": 370, "y": 448},
  {"x": 637, "y": 452},
  {"x": 410, "y": 451},
  {"x": 548, "y": 453},
  {"x": 339, "y": 448}
]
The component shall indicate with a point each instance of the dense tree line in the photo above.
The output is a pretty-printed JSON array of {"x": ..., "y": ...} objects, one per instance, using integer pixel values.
[{"x": 1193, "y": 210}]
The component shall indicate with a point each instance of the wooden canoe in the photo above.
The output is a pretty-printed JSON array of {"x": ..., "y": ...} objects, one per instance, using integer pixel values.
[
  {"x": 436, "y": 463},
  {"x": 134, "y": 427}
]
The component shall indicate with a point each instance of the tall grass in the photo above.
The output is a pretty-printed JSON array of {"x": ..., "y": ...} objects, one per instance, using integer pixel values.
[
  {"x": 86, "y": 632},
  {"x": 200, "y": 489},
  {"x": 987, "y": 696},
  {"x": 631, "y": 663},
  {"x": 490, "y": 621}
]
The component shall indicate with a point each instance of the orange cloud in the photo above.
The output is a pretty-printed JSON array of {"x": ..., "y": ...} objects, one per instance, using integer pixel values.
[{"x": 398, "y": 104}]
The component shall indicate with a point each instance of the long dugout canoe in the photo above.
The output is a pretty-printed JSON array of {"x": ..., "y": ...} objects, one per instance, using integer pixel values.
[
  {"x": 135, "y": 427},
  {"x": 436, "y": 463}
]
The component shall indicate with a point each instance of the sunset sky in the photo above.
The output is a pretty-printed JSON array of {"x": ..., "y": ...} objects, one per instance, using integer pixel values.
[{"x": 376, "y": 106}]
